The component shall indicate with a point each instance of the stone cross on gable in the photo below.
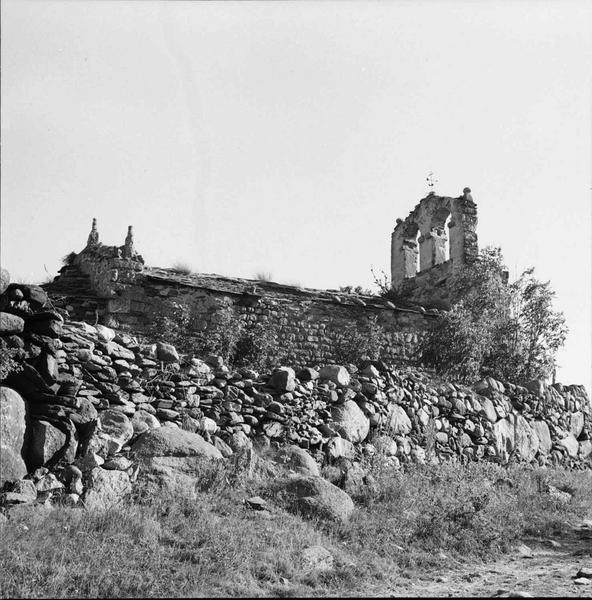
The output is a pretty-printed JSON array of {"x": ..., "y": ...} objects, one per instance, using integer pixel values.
[{"x": 431, "y": 180}]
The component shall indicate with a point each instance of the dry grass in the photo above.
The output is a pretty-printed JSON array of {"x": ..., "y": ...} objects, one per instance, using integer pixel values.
[
  {"x": 263, "y": 276},
  {"x": 182, "y": 268},
  {"x": 214, "y": 546}
]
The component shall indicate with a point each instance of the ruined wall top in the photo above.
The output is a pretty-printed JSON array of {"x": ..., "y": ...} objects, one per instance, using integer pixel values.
[
  {"x": 421, "y": 241},
  {"x": 95, "y": 249}
]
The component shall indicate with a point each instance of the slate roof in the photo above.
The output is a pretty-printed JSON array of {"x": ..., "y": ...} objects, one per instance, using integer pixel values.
[{"x": 255, "y": 287}]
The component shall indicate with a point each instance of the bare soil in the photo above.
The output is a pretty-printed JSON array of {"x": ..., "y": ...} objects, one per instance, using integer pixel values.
[{"x": 550, "y": 572}]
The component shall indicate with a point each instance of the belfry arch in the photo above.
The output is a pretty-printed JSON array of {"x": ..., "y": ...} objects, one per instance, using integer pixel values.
[{"x": 439, "y": 233}]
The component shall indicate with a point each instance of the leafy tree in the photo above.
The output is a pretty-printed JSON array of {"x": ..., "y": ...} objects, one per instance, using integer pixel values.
[{"x": 509, "y": 331}]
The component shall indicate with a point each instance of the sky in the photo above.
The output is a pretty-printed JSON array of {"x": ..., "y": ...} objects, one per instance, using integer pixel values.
[{"x": 286, "y": 137}]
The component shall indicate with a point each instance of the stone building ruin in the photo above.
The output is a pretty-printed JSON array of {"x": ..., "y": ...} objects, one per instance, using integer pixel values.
[
  {"x": 113, "y": 286},
  {"x": 424, "y": 254}
]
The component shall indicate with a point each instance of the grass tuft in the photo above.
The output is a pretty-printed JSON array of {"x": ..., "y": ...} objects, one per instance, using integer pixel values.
[
  {"x": 182, "y": 268},
  {"x": 263, "y": 276}
]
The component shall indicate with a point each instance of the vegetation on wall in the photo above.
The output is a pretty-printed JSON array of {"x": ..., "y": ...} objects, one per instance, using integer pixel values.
[
  {"x": 9, "y": 360},
  {"x": 508, "y": 331},
  {"x": 239, "y": 343},
  {"x": 182, "y": 267},
  {"x": 68, "y": 259},
  {"x": 357, "y": 340},
  {"x": 358, "y": 289}
]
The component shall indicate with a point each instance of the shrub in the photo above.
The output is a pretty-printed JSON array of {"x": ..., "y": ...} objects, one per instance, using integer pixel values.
[
  {"x": 182, "y": 268},
  {"x": 9, "y": 360},
  {"x": 221, "y": 337},
  {"x": 170, "y": 325},
  {"x": 358, "y": 289},
  {"x": 263, "y": 276},
  {"x": 357, "y": 340},
  {"x": 68, "y": 259},
  {"x": 507, "y": 331}
]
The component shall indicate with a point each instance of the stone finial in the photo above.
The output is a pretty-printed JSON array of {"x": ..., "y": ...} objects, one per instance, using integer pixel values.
[
  {"x": 467, "y": 194},
  {"x": 128, "y": 248},
  {"x": 93, "y": 236}
]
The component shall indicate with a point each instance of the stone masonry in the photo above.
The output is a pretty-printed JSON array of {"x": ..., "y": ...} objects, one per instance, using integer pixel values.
[
  {"x": 423, "y": 255},
  {"x": 111, "y": 285}
]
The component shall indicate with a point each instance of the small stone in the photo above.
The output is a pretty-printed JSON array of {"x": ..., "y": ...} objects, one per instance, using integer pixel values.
[
  {"x": 10, "y": 324},
  {"x": 524, "y": 551},
  {"x": 166, "y": 352},
  {"x": 585, "y": 572},
  {"x": 25, "y": 489},
  {"x": 283, "y": 380},
  {"x": 71, "y": 499},
  {"x": 89, "y": 461},
  {"x": 307, "y": 374},
  {"x": 256, "y": 503},
  {"x": 335, "y": 373},
  {"x": 48, "y": 483},
  {"x": 118, "y": 463},
  {"x": 106, "y": 334}
]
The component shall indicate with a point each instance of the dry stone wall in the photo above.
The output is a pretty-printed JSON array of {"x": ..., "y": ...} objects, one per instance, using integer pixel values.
[{"x": 90, "y": 394}]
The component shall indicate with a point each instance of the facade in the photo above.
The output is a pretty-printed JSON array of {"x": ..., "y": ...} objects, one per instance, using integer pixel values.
[
  {"x": 112, "y": 285},
  {"x": 435, "y": 240}
]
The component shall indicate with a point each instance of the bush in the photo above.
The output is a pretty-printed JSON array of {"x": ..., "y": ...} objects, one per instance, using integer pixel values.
[
  {"x": 9, "y": 360},
  {"x": 508, "y": 331},
  {"x": 357, "y": 340},
  {"x": 221, "y": 337},
  {"x": 358, "y": 289},
  {"x": 263, "y": 276},
  {"x": 182, "y": 268},
  {"x": 68, "y": 259},
  {"x": 257, "y": 347},
  {"x": 171, "y": 325}
]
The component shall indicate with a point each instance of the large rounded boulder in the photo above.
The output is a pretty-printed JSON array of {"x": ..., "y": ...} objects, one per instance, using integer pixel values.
[
  {"x": 316, "y": 497},
  {"x": 398, "y": 423},
  {"x": 526, "y": 440},
  {"x": 13, "y": 425},
  {"x": 503, "y": 437},
  {"x": 350, "y": 421},
  {"x": 297, "y": 459},
  {"x": 174, "y": 460},
  {"x": 117, "y": 428}
]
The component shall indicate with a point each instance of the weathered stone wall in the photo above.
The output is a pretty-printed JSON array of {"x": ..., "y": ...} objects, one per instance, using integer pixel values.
[
  {"x": 87, "y": 395},
  {"x": 112, "y": 286},
  {"x": 423, "y": 255},
  {"x": 313, "y": 325}
]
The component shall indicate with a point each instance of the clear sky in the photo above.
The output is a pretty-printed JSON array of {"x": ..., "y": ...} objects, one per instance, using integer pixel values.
[{"x": 287, "y": 137}]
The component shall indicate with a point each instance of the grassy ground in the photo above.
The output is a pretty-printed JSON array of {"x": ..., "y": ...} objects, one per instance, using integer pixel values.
[{"x": 215, "y": 546}]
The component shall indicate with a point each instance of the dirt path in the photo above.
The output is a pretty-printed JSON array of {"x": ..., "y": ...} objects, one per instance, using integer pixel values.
[{"x": 549, "y": 571}]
